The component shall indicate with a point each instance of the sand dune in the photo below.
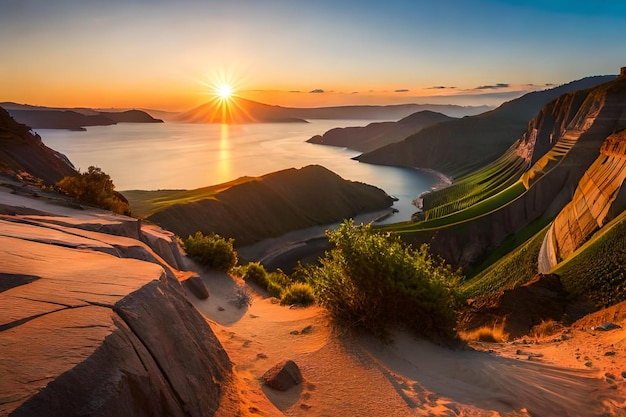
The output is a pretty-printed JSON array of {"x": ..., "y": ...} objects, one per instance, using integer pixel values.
[{"x": 358, "y": 376}]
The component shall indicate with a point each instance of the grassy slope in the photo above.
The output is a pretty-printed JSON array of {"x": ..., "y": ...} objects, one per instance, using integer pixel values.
[
  {"x": 508, "y": 269},
  {"x": 598, "y": 268},
  {"x": 252, "y": 209},
  {"x": 146, "y": 203}
]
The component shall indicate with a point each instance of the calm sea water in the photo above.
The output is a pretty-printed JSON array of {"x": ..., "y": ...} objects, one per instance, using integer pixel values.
[{"x": 186, "y": 156}]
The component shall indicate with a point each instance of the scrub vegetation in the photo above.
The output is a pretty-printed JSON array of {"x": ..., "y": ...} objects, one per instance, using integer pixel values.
[
  {"x": 373, "y": 282},
  {"x": 212, "y": 251},
  {"x": 95, "y": 188}
]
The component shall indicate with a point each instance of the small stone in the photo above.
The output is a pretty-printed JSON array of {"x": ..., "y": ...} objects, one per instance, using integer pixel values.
[
  {"x": 283, "y": 376},
  {"x": 608, "y": 326},
  {"x": 588, "y": 364},
  {"x": 308, "y": 329},
  {"x": 609, "y": 375},
  {"x": 609, "y": 353},
  {"x": 220, "y": 308},
  {"x": 294, "y": 332},
  {"x": 624, "y": 374},
  {"x": 261, "y": 355}
]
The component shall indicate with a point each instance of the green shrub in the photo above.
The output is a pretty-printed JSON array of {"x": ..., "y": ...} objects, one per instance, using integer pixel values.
[
  {"x": 255, "y": 272},
  {"x": 298, "y": 293},
  {"x": 373, "y": 282},
  {"x": 301, "y": 273},
  {"x": 212, "y": 251},
  {"x": 96, "y": 188},
  {"x": 278, "y": 282},
  {"x": 280, "y": 278},
  {"x": 275, "y": 289}
]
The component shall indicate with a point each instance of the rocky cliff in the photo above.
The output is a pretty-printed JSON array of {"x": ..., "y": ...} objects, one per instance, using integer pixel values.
[
  {"x": 593, "y": 204},
  {"x": 95, "y": 322},
  {"x": 577, "y": 131},
  {"x": 23, "y": 154}
]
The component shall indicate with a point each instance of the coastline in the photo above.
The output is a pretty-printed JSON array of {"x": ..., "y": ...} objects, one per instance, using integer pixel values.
[{"x": 443, "y": 180}]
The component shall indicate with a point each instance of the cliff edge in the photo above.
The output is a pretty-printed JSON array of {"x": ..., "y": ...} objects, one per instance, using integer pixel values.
[{"x": 95, "y": 322}]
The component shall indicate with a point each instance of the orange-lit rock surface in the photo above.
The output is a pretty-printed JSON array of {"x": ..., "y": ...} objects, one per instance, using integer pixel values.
[
  {"x": 94, "y": 323},
  {"x": 590, "y": 205}
]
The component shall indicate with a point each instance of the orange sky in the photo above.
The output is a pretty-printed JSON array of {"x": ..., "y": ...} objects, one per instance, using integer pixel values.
[{"x": 165, "y": 55}]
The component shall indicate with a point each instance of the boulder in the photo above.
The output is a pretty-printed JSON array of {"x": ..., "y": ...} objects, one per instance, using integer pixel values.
[
  {"x": 283, "y": 375},
  {"x": 195, "y": 284}
]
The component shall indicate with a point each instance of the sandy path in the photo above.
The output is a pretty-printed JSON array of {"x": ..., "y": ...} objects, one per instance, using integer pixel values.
[{"x": 344, "y": 376}]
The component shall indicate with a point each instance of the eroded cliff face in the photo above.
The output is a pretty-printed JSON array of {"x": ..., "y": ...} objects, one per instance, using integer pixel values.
[
  {"x": 591, "y": 205},
  {"x": 551, "y": 181},
  {"x": 98, "y": 324}
]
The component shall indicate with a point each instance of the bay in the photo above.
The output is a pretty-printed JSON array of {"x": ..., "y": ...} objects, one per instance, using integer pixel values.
[{"x": 141, "y": 156}]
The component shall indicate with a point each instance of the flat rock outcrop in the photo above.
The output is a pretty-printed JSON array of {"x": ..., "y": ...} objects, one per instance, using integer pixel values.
[{"x": 98, "y": 324}]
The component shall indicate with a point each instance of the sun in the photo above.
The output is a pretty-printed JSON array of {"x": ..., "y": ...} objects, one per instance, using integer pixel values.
[{"x": 224, "y": 91}]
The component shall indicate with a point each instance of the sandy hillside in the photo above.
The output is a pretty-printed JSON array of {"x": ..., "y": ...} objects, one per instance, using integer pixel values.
[{"x": 348, "y": 376}]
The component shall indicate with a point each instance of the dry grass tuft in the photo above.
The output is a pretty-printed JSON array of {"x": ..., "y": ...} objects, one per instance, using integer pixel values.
[
  {"x": 493, "y": 334},
  {"x": 545, "y": 328}
]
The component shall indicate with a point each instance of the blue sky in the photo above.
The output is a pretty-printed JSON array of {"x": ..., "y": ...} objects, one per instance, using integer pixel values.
[{"x": 165, "y": 53}]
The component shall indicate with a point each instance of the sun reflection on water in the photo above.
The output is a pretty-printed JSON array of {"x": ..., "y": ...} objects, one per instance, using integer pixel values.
[{"x": 224, "y": 161}]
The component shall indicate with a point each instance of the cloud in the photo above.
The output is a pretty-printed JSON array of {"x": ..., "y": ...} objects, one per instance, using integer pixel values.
[
  {"x": 402, "y": 90},
  {"x": 492, "y": 87},
  {"x": 317, "y": 90},
  {"x": 438, "y": 87}
]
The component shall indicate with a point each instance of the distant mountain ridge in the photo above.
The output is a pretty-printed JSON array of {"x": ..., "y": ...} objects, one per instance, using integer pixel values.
[
  {"x": 240, "y": 110},
  {"x": 378, "y": 134},
  {"x": 73, "y": 119},
  {"x": 460, "y": 146}
]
